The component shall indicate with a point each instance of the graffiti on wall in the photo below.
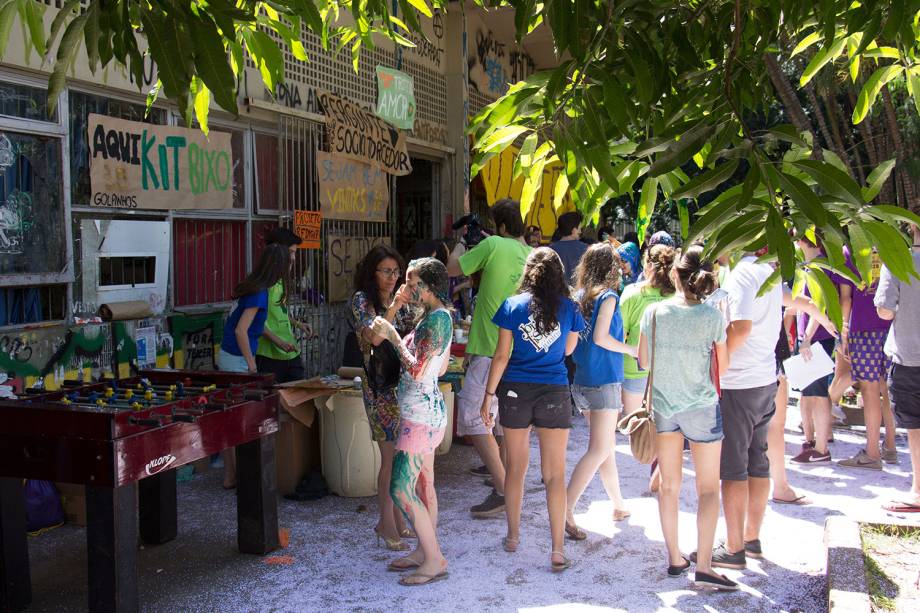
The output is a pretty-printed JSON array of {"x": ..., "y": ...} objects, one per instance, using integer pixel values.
[
  {"x": 46, "y": 357},
  {"x": 195, "y": 340},
  {"x": 494, "y": 64}
]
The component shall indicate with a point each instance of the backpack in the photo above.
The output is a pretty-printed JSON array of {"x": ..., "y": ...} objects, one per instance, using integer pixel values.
[{"x": 382, "y": 367}]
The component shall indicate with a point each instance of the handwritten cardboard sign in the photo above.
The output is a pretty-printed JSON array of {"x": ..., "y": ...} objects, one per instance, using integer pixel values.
[
  {"x": 351, "y": 190},
  {"x": 307, "y": 225},
  {"x": 360, "y": 135},
  {"x": 345, "y": 253},
  {"x": 395, "y": 97},
  {"x": 135, "y": 165}
]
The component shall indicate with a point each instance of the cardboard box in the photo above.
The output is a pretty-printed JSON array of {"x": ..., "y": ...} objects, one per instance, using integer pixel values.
[
  {"x": 73, "y": 499},
  {"x": 296, "y": 451}
]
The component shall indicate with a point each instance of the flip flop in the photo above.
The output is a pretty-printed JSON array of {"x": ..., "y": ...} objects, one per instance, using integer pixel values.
[
  {"x": 393, "y": 567},
  {"x": 899, "y": 506},
  {"x": 407, "y": 580},
  {"x": 509, "y": 544},
  {"x": 799, "y": 501},
  {"x": 574, "y": 532},
  {"x": 558, "y": 567},
  {"x": 621, "y": 514}
]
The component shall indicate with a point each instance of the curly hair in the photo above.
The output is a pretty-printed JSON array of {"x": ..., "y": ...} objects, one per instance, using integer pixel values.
[
  {"x": 544, "y": 279},
  {"x": 597, "y": 272},
  {"x": 695, "y": 274},
  {"x": 658, "y": 262},
  {"x": 433, "y": 273},
  {"x": 366, "y": 277}
]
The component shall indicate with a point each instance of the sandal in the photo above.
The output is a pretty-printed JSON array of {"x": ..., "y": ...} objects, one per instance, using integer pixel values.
[
  {"x": 558, "y": 567},
  {"x": 426, "y": 579},
  {"x": 510, "y": 544},
  {"x": 621, "y": 514},
  {"x": 408, "y": 533},
  {"x": 574, "y": 532}
]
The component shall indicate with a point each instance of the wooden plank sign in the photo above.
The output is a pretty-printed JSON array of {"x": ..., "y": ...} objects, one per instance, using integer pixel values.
[
  {"x": 136, "y": 165},
  {"x": 349, "y": 189},
  {"x": 360, "y": 135},
  {"x": 307, "y": 226},
  {"x": 345, "y": 253}
]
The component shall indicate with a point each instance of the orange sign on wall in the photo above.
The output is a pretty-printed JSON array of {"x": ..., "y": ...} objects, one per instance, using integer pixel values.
[{"x": 306, "y": 226}]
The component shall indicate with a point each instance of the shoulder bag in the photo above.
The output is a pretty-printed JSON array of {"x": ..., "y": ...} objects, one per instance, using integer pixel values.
[{"x": 640, "y": 426}]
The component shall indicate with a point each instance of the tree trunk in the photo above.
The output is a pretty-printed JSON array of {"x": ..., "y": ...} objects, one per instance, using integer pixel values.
[
  {"x": 866, "y": 132},
  {"x": 841, "y": 118},
  {"x": 788, "y": 97},
  {"x": 825, "y": 131},
  {"x": 890, "y": 190},
  {"x": 834, "y": 121}
]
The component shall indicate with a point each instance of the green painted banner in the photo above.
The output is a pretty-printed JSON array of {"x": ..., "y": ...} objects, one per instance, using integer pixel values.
[{"x": 395, "y": 98}]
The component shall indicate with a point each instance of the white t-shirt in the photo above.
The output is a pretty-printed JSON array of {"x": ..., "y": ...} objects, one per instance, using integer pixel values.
[{"x": 754, "y": 363}]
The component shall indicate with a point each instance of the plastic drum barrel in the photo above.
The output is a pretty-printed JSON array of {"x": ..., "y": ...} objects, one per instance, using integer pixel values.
[
  {"x": 448, "y": 391},
  {"x": 351, "y": 460}
]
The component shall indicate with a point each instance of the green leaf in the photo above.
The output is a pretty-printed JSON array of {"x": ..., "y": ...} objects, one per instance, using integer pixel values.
[
  {"x": 824, "y": 294},
  {"x": 707, "y": 181},
  {"x": 877, "y": 178},
  {"x": 713, "y": 213},
  {"x": 833, "y": 181},
  {"x": 559, "y": 190},
  {"x": 894, "y": 212},
  {"x": 852, "y": 47},
  {"x": 913, "y": 86},
  {"x": 7, "y": 17},
  {"x": 32, "y": 13},
  {"x": 422, "y": 7},
  {"x": 91, "y": 36},
  {"x": 501, "y": 138},
  {"x": 804, "y": 198},
  {"x": 805, "y": 43},
  {"x": 821, "y": 58},
  {"x": 201, "y": 99},
  {"x": 871, "y": 89},
  {"x": 646, "y": 207},
  {"x": 790, "y": 134},
  {"x": 681, "y": 151},
  {"x": 684, "y": 213},
  {"x": 152, "y": 96},
  {"x": 861, "y": 250},
  {"x": 171, "y": 53},
  {"x": 781, "y": 243},
  {"x": 893, "y": 248},
  {"x": 67, "y": 51},
  {"x": 770, "y": 282},
  {"x": 212, "y": 66}
]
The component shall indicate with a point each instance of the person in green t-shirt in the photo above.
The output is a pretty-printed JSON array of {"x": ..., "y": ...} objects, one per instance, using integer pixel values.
[
  {"x": 279, "y": 350},
  {"x": 637, "y": 297},
  {"x": 500, "y": 259}
]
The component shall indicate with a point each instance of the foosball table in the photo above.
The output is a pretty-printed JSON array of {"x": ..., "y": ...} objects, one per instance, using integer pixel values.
[{"x": 124, "y": 440}]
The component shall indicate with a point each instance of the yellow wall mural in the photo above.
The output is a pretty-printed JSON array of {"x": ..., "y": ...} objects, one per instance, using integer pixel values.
[{"x": 497, "y": 178}]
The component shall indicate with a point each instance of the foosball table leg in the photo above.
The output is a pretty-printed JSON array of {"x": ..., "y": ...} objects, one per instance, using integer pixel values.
[
  {"x": 15, "y": 581},
  {"x": 157, "y": 513},
  {"x": 111, "y": 545},
  {"x": 256, "y": 496}
]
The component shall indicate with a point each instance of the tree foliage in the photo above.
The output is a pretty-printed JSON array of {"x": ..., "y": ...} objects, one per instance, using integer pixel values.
[
  {"x": 199, "y": 46},
  {"x": 650, "y": 90}
]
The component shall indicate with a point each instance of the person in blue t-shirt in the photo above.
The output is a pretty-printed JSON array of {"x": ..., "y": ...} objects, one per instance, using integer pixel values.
[
  {"x": 246, "y": 323},
  {"x": 530, "y": 381},
  {"x": 598, "y": 377}
]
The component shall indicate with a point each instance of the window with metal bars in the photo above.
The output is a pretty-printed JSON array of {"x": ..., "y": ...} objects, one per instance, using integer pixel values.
[{"x": 127, "y": 271}]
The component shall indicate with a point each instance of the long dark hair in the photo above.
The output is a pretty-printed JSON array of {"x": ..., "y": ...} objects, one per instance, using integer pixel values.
[
  {"x": 366, "y": 277},
  {"x": 695, "y": 274},
  {"x": 597, "y": 271},
  {"x": 273, "y": 265},
  {"x": 544, "y": 278}
]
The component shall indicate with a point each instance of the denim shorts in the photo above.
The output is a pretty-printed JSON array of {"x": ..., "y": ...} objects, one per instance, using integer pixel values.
[
  {"x": 635, "y": 386},
  {"x": 697, "y": 426},
  {"x": 602, "y": 397},
  {"x": 231, "y": 363}
]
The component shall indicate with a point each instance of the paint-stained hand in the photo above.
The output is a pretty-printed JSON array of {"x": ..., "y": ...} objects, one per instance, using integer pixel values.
[{"x": 382, "y": 327}]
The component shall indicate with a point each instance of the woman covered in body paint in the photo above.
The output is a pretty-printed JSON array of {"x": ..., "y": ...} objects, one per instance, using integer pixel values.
[{"x": 424, "y": 354}]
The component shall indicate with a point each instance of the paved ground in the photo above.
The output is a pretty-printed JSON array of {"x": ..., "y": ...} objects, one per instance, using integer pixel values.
[{"x": 337, "y": 566}]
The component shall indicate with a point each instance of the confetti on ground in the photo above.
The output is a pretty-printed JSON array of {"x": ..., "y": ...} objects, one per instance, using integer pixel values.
[{"x": 279, "y": 560}]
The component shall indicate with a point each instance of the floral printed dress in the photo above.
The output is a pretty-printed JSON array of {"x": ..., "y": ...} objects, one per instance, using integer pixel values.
[{"x": 382, "y": 408}]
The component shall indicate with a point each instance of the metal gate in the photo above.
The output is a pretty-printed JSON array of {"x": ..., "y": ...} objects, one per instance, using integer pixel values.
[{"x": 311, "y": 300}]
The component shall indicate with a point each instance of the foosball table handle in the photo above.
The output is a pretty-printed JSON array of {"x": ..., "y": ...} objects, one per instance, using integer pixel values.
[
  {"x": 254, "y": 394},
  {"x": 184, "y": 417},
  {"x": 215, "y": 406}
]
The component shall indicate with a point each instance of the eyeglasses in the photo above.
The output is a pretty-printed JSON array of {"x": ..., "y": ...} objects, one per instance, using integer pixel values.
[{"x": 389, "y": 272}]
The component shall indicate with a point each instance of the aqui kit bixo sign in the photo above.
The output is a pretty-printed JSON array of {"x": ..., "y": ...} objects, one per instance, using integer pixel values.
[{"x": 136, "y": 165}]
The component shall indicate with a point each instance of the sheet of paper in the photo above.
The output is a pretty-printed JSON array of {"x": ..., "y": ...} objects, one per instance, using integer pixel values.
[{"x": 801, "y": 374}]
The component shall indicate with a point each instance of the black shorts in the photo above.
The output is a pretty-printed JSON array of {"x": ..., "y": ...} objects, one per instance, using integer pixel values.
[
  {"x": 905, "y": 394},
  {"x": 746, "y": 415},
  {"x": 284, "y": 370},
  {"x": 534, "y": 404},
  {"x": 819, "y": 388}
]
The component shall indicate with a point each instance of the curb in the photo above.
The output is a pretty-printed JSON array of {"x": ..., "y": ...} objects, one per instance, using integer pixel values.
[{"x": 846, "y": 571}]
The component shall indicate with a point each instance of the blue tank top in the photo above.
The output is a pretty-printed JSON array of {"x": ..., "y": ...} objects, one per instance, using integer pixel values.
[{"x": 596, "y": 366}]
